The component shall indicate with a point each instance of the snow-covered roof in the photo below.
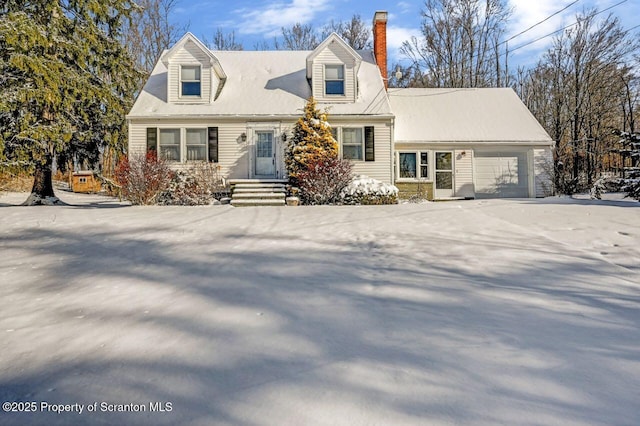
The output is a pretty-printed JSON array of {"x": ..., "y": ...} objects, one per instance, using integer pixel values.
[
  {"x": 263, "y": 83},
  {"x": 190, "y": 38},
  {"x": 464, "y": 115}
]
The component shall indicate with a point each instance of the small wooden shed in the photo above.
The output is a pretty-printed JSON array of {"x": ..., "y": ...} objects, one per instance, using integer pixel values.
[{"x": 85, "y": 181}]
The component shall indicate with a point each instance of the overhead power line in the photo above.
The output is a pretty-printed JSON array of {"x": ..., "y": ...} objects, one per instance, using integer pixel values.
[
  {"x": 562, "y": 29},
  {"x": 541, "y": 22}
]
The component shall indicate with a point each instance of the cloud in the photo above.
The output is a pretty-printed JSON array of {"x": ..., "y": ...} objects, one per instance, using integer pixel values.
[
  {"x": 405, "y": 7},
  {"x": 270, "y": 19},
  {"x": 395, "y": 37},
  {"x": 527, "y": 13}
]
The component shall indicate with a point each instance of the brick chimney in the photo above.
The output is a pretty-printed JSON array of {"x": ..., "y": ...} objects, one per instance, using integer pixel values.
[{"x": 380, "y": 43}]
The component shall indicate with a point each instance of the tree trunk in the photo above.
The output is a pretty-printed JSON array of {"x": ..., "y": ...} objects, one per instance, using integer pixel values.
[{"x": 42, "y": 191}]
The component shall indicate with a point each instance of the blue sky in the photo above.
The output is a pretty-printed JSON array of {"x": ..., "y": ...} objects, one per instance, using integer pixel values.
[{"x": 256, "y": 21}]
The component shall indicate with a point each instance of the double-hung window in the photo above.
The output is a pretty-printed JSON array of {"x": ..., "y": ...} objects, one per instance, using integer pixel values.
[
  {"x": 170, "y": 144},
  {"x": 334, "y": 79},
  {"x": 183, "y": 144},
  {"x": 196, "y": 144},
  {"x": 190, "y": 80},
  {"x": 412, "y": 165},
  {"x": 352, "y": 143}
]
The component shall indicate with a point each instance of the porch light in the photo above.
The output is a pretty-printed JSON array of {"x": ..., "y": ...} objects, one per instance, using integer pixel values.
[
  {"x": 284, "y": 137},
  {"x": 243, "y": 137}
]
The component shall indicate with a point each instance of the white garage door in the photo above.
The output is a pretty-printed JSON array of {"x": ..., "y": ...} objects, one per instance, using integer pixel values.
[{"x": 501, "y": 174}]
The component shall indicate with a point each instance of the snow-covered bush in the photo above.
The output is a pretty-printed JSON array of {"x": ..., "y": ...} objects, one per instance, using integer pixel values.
[
  {"x": 142, "y": 178},
  {"x": 597, "y": 189},
  {"x": 368, "y": 191},
  {"x": 199, "y": 185},
  {"x": 323, "y": 180}
]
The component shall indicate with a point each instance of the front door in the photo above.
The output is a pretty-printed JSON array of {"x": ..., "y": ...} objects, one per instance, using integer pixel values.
[
  {"x": 444, "y": 174},
  {"x": 265, "y": 154}
]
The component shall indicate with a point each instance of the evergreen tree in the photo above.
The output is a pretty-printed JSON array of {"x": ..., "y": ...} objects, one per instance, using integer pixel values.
[
  {"x": 66, "y": 81},
  {"x": 312, "y": 141}
]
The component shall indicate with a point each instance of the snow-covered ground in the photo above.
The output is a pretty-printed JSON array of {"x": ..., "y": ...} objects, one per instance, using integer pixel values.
[{"x": 475, "y": 312}]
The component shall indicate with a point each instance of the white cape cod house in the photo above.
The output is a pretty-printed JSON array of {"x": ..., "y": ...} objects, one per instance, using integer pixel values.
[{"x": 238, "y": 109}]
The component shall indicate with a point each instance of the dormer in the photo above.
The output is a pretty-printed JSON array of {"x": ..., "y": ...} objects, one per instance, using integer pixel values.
[
  {"x": 194, "y": 74},
  {"x": 332, "y": 69}
]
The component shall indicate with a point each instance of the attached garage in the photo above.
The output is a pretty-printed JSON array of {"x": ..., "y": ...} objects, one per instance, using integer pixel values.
[
  {"x": 499, "y": 150},
  {"x": 503, "y": 174}
]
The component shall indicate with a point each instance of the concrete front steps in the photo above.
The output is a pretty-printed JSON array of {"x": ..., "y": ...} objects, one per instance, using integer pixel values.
[{"x": 258, "y": 192}]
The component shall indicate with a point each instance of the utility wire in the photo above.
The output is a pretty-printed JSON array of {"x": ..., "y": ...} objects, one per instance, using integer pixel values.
[
  {"x": 564, "y": 28},
  {"x": 538, "y": 23}
]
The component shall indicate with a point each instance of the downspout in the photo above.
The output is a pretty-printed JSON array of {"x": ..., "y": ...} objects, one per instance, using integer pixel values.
[{"x": 392, "y": 153}]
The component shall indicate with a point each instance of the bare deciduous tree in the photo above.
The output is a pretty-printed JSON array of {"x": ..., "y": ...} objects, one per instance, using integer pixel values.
[
  {"x": 580, "y": 90},
  {"x": 151, "y": 32},
  {"x": 460, "y": 44},
  {"x": 354, "y": 31},
  {"x": 224, "y": 41},
  {"x": 298, "y": 37},
  {"x": 305, "y": 37}
]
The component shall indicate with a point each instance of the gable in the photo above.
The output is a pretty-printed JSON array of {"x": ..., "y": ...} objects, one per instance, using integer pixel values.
[
  {"x": 334, "y": 65},
  {"x": 263, "y": 83},
  {"x": 190, "y": 57}
]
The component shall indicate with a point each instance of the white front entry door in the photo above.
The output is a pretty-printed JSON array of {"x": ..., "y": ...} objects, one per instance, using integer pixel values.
[
  {"x": 265, "y": 154},
  {"x": 444, "y": 174}
]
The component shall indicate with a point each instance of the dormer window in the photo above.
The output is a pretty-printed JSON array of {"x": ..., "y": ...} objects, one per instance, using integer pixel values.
[
  {"x": 190, "y": 80},
  {"x": 334, "y": 79}
]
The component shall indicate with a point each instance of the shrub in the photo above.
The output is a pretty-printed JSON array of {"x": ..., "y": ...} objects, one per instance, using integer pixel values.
[
  {"x": 142, "y": 178},
  {"x": 312, "y": 141},
  {"x": 199, "y": 185},
  {"x": 323, "y": 180},
  {"x": 15, "y": 181},
  {"x": 367, "y": 191}
]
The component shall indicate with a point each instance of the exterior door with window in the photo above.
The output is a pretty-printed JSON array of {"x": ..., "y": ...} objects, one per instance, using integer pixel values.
[
  {"x": 444, "y": 174},
  {"x": 265, "y": 154}
]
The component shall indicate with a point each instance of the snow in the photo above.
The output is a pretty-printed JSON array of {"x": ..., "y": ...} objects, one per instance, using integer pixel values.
[
  {"x": 463, "y": 312},
  {"x": 364, "y": 185}
]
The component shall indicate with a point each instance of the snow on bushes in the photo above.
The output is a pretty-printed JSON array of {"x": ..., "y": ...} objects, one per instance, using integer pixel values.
[
  {"x": 323, "y": 180},
  {"x": 631, "y": 149},
  {"x": 147, "y": 180},
  {"x": 311, "y": 142},
  {"x": 197, "y": 186},
  {"x": 368, "y": 191}
]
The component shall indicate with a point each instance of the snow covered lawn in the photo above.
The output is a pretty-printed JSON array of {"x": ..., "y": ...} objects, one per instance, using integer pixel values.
[{"x": 478, "y": 312}]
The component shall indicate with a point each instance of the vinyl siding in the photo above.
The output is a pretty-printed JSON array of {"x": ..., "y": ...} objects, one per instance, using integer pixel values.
[
  {"x": 233, "y": 153},
  {"x": 190, "y": 54},
  {"x": 543, "y": 165},
  {"x": 379, "y": 169},
  {"x": 334, "y": 55},
  {"x": 462, "y": 165},
  {"x": 463, "y": 177}
]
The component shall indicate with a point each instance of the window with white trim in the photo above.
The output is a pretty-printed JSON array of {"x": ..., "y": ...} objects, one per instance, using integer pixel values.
[
  {"x": 334, "y": 79},
  {"x": 190, "y": 80},
  {"x": 170, "y": 144},
  {"x": 352, "y": 143},
  {"x": 196, "y": 144},
  {"x": 413, "y": 165}
]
